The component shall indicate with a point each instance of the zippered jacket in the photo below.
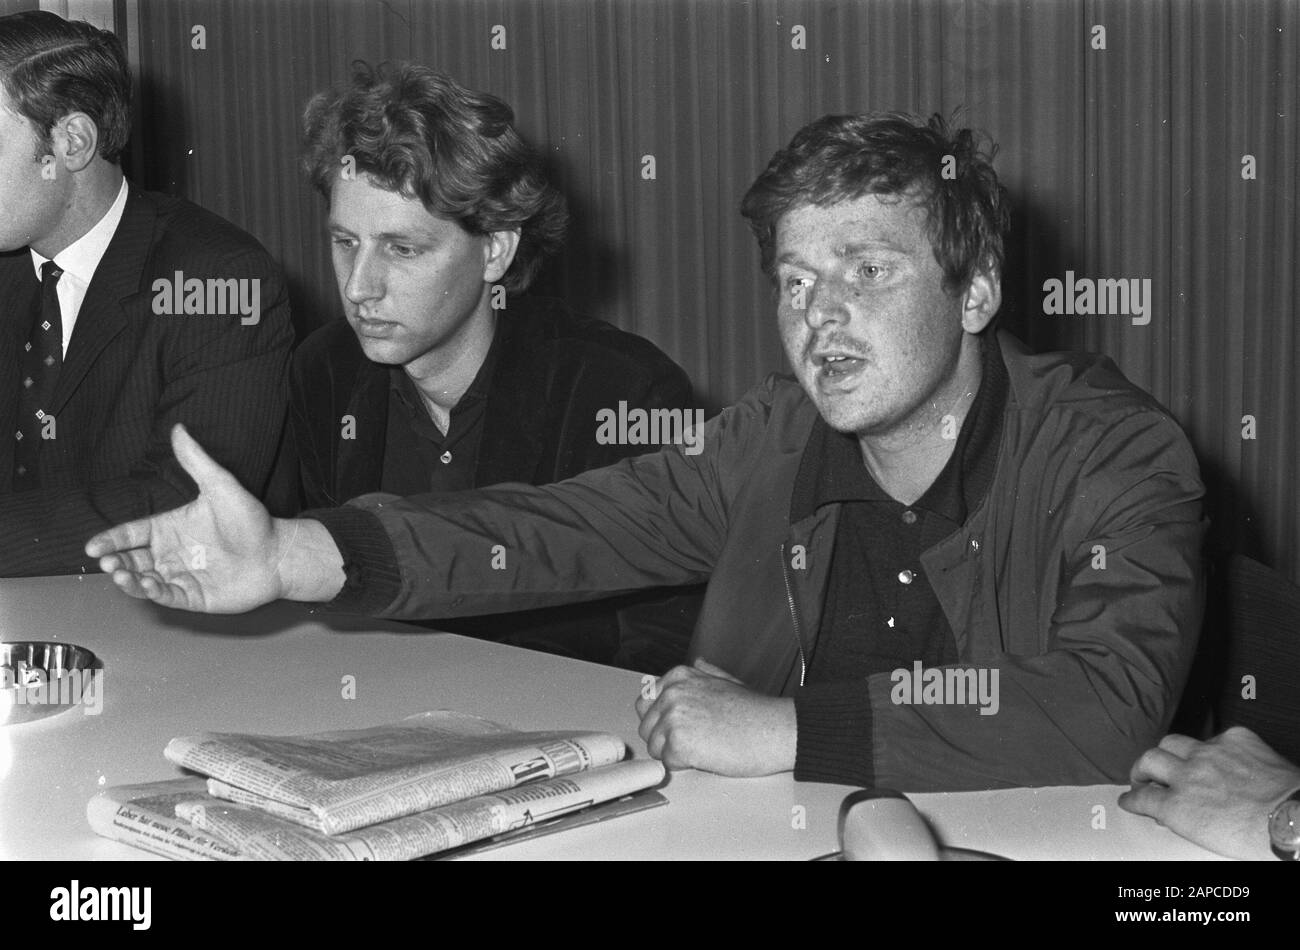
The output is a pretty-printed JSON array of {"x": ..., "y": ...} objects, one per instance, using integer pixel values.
[{"x": 1077, "y": 579}]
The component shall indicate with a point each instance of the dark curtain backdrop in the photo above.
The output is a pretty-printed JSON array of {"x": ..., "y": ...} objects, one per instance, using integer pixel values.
[{"x": 1122, "y": 162}]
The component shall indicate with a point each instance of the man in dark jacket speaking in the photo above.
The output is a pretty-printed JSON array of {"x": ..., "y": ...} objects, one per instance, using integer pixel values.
[{"x": 934, "y": 560}]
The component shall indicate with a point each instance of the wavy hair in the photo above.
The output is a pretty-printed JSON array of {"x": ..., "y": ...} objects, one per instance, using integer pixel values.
[
  {"x": 843, "y": 157},
  {"x": 418, "y": 132}
]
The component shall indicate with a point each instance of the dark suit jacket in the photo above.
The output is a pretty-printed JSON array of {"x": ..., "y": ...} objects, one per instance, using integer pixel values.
[
  {"x": 554, "y": 371},
  {"x": 129, "y": 375}
]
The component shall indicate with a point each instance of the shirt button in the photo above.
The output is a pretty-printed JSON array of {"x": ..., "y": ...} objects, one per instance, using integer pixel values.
[
  {"x": 445, "y": 458},
  {"x": 974, "y": 545},
  {"x": 905, "y": 577},
  {"x": 909, "y": 517}
]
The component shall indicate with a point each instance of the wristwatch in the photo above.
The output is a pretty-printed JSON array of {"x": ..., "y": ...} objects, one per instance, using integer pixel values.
[{"x": 1284, "y": 828}]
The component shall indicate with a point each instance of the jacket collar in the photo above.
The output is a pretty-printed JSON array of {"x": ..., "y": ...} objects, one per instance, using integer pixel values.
[
  {"x": 403, "y": 388},
  {"x": 831, "y": 469},
  {"x": 114, "y": 289},
  {"x": 81, "y": 258},
  {"x": 513, "y": 429}
]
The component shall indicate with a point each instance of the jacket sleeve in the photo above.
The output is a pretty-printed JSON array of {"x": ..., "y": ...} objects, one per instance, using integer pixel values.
[
  {"x": 1117, "y": 650},
  {"x": 654, "y": 628},
  {"x": 652, "y": 521},
  {"x": 225, "y": 383}
]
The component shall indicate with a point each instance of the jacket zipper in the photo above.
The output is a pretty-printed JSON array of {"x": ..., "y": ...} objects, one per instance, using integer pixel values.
[{"x": 794, "y": 614}]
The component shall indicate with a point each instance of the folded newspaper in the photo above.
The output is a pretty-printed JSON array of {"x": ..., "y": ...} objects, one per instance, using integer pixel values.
[{"x": 428, "y": 783}]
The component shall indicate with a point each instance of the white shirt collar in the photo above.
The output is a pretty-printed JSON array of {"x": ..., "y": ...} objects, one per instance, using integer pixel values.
[{"x": 82, "y": 256}]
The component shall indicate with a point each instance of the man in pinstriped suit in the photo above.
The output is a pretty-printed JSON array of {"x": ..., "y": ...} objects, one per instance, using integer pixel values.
[{"x": 121, "y": 312}]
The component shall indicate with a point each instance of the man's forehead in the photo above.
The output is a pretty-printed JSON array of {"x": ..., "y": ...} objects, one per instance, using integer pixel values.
[
  {"x": 871, "y": 220},
  {"x": 362, "y": 196}
]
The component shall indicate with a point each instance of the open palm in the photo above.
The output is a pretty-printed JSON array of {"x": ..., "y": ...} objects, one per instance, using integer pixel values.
[{"x": 217, "y": 554}]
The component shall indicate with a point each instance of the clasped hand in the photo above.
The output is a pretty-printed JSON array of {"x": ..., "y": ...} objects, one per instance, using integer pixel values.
[
  {"x": 702, "y": 717},
  {"x": 1216, "y": 793}
]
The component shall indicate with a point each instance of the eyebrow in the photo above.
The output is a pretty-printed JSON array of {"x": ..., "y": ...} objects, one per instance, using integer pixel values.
[
  {"x": 408, "y": 236},
  {"x": 847, "y": 250},
  {"x": 852, "y": 250}
]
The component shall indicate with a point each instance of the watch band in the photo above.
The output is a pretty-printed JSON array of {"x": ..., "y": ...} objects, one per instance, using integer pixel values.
[{"x": 1287, "y": 849}]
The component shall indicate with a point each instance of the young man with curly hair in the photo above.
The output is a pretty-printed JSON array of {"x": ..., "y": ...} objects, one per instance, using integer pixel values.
[{"x": 442, "y": 377}]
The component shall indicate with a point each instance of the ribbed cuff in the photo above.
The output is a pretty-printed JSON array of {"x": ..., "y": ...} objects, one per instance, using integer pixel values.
[
  {"x": 374, "y": 578},
  {"x": 834, "y": 738}
]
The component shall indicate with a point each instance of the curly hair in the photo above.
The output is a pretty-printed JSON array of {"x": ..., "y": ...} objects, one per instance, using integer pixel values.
[
  {"x": 843, "y": 157},
  {"x": 50, "y": 67},
  {"x": 418, "y": 132}
]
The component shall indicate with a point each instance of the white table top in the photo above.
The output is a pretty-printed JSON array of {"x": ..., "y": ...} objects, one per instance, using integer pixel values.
[{"x": 281, "y": 669}]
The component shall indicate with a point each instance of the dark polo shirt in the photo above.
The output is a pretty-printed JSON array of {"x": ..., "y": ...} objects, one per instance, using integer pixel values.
[
  {"x": 418, "y": 456},
  {"x": 880, "y": 612}
]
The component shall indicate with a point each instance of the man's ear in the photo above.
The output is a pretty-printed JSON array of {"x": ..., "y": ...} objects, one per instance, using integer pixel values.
[
  {"x": 981, "y": 301},
  {"x": 498, "y": 252},
  {"x": 76, "y": 140}
]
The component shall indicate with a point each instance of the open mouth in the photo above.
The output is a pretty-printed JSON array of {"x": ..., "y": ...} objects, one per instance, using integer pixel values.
[{"x": 837, "y": 366}]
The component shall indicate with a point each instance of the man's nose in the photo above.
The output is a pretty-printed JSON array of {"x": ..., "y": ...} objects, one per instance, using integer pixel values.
[
  {"x": 366, "y": 279},
  {"x": 827, "y": 302}
]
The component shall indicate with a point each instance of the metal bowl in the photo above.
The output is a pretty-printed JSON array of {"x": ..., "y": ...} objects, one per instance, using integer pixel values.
[{"x": 39, "y": 679}]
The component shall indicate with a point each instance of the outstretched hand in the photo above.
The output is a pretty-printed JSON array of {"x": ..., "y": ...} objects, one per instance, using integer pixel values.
[{"x": 218, "y": 554}]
